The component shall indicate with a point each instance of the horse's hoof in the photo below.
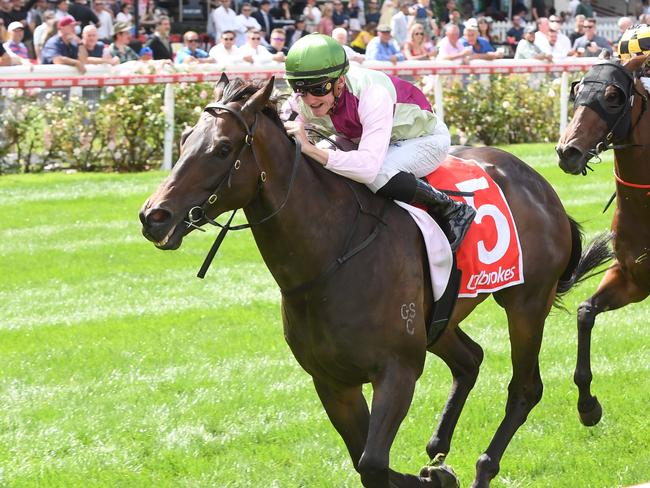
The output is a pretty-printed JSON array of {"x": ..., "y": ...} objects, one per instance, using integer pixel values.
[
  {"x": 437, "y": 469},
  {"x": 591, "y": 414}
]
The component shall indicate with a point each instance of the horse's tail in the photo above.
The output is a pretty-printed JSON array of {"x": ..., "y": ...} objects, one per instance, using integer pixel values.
[{"x": 581, "y": 262}]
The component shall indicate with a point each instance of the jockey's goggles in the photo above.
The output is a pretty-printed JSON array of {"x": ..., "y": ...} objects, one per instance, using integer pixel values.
[{"x": 318, "y": 89}]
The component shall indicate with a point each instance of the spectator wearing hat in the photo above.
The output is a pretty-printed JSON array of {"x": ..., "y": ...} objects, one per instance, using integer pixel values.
[
  {"x": 399, "y": 24},
  {"x": 190, "y": 53},
  {"x": 226, "y": 52},
  {"x": 527, "y": 49},
  {"x": 83, "y": 13},
  {"x": 263, "y": 16},
  {"x": 481, "y": 48},
  {"x": 384, "y": 47},
  {"x": 105, "y": 28},
  {"x": 146, "y": 54},
  {"x": 15, "y": 46},
  {"x": 312, "y": 15},
  {"x": 298, "y": 31},
  {"x": 450, "y": 47},
  {"x": 63, "y": 48},
  {"x": 246, "y": 22},
  {"x": 159, "y": 41},
  {"x": 120, "y": 47}
]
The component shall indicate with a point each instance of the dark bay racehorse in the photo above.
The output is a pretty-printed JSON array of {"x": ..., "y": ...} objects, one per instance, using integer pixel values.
[
  {"x": 345, "y": 323},
  {"x": 611, "y": 111}
]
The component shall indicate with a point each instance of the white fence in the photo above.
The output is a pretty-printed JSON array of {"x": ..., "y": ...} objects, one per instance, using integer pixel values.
[
  {"x": 60, "y": 76},
  {"x": 605, "y": 26}
]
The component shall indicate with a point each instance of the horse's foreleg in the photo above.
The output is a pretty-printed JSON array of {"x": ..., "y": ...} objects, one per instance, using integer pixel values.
[
  {"x": 464, "y": 357},
  {"x": 614, "y": 291},
  {"x": 525, "y": 323},
  {"x": 392, "y": 395},
  {"x": 347, "y": 409}
]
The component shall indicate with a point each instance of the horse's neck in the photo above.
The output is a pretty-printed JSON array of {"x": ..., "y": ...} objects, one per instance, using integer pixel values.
[
  {"x": 306, "y": 235},
  {"x": 633, "y": 164}
]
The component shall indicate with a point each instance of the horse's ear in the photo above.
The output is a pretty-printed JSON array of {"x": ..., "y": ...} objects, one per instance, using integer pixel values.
[
  {"x": 258, "y": 101},
  {"x": 221, "y": 85},
  {"x": 637, "y": 63},
  {"x": 605, "y": 54}
]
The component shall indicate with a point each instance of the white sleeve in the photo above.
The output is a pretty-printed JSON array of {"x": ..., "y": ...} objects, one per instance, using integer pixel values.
[{"x": 376, "y": 117}]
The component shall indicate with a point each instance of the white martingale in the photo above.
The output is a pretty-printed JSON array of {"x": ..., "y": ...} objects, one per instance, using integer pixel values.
[{"x": 646, "y": 83}]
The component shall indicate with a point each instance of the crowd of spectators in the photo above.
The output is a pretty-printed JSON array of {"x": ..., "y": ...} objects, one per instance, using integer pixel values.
[{"x": 261, "y": 31}]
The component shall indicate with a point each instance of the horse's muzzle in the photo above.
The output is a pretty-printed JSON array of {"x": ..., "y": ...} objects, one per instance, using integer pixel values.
[
  {"x": 158, "y": 227},
  {"x": 571, "y": 159}
]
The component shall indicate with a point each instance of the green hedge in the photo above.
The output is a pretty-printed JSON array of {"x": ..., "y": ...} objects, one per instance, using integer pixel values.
[
  {"x": 490, "y": 109},
  {"x": 121, "y": 129}
]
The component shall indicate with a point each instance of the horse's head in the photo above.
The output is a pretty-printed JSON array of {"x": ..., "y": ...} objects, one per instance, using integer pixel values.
[
  {"x": 217, "y": 169},
  {"x": 603, "y": 100}
]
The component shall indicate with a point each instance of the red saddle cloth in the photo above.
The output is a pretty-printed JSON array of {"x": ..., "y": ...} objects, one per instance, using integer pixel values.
[{"x": 490, "y": 255}]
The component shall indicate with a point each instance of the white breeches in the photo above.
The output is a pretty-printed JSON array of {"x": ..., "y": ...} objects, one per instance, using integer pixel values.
[{"x": 419, "y": 156}]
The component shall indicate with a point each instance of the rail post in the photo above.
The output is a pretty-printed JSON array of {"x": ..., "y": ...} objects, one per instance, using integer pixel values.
[
  {"x": 564, "y": 100},
  {"x": 169, "y": 126}
]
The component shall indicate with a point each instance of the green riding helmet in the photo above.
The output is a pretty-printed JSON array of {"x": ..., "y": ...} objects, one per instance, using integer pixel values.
[{"x": 313, "y": 59}]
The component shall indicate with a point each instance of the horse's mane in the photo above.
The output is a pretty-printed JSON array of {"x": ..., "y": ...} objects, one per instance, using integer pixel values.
[{"x": 238, "y": 90}]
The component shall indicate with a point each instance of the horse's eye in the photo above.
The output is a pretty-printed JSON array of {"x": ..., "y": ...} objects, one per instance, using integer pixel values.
[
  {"x": 614, "y": 97},
  {"x": 223, "y": 150}
]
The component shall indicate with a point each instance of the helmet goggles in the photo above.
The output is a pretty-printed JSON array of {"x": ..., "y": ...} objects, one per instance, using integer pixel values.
[{"x": 317, "y": 88}]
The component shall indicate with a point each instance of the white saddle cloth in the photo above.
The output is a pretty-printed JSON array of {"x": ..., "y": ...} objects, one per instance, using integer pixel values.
[{"x": 438, "y": 249}]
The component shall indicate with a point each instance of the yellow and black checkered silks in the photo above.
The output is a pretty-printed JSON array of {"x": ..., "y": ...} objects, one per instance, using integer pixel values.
[{"x": 634, "y": 42}]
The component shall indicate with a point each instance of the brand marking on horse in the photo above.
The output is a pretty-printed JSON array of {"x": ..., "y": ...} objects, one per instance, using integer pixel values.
[{"x": 407, "y": 311}]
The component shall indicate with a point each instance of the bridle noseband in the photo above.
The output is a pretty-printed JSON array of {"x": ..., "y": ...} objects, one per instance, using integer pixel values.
[{"x": 199, "y": 213}]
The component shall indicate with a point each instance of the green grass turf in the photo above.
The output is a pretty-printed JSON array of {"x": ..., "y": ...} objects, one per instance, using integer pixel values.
[{"x": 119, "y": 368}]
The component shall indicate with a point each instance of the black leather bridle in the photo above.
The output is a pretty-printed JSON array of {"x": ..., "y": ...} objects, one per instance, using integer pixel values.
[{"x": 199, "y": 214}]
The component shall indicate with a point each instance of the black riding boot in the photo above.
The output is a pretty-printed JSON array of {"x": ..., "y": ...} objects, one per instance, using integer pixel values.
[{"x": 458, "y": 215}]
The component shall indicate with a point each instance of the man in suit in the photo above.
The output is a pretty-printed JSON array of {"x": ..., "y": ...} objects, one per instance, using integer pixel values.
[
  {"x": 159, "y": 42},
  {"x": 263, "y": 16}
]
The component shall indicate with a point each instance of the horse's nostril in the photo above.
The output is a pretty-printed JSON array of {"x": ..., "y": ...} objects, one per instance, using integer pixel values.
[{"x": 158, "y": 216}]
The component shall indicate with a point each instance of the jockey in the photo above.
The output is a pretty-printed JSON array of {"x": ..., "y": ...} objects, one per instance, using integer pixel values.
[{"x": 400, "y": 139}]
